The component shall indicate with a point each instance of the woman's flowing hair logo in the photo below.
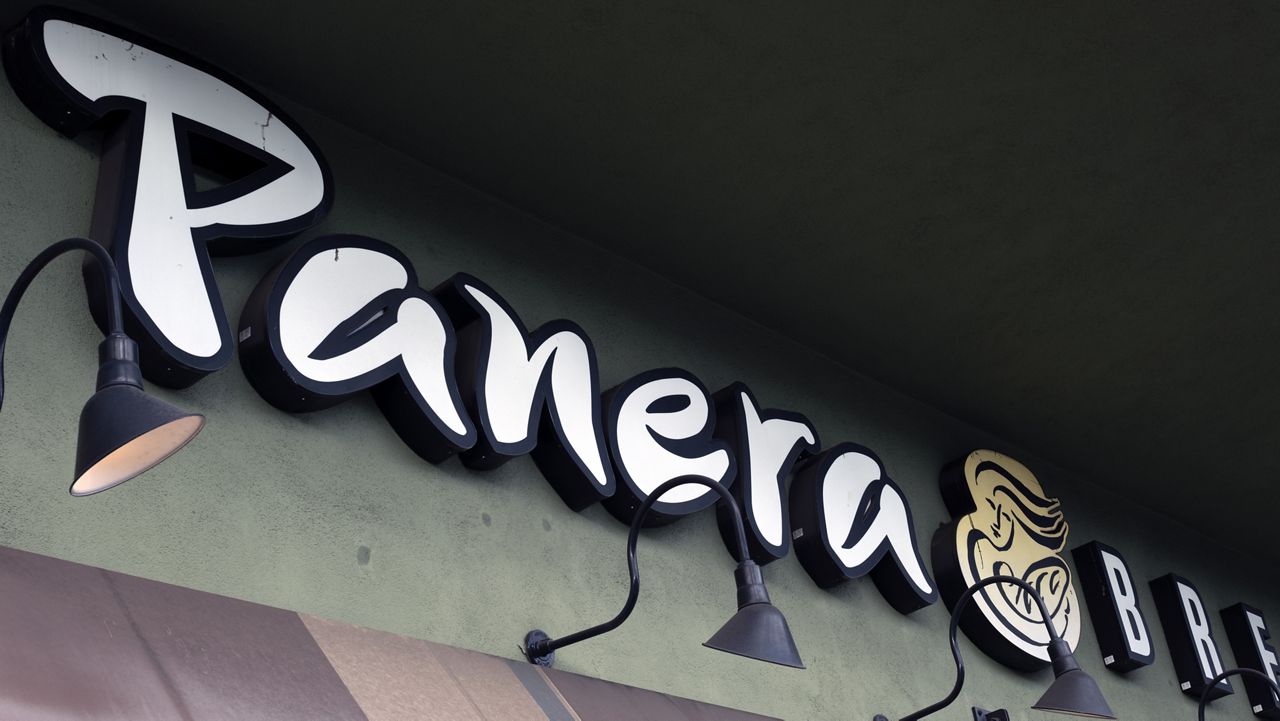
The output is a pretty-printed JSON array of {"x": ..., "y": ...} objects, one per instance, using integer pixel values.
[{"x": 1005, "y": 525}]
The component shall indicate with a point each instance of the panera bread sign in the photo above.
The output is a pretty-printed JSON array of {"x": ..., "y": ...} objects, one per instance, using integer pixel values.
[{"x": 457, "y": 372}]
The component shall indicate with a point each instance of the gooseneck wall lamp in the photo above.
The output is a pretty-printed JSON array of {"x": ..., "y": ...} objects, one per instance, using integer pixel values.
[
  {"x": 1073, "y": 691},
  {"x": 123, "y": 431},
  {"x": 1204, "y": 695},
  {"x": 758, "y": 630}
]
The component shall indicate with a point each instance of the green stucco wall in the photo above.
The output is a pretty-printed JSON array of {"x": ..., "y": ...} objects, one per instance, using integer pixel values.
[{"x": 332, "y": 515}]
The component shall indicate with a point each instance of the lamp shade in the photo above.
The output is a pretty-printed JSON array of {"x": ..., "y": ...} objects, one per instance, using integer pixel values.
[
  {"x": 1075, "y": 693},
  {"x": 124, "y": 432},
  {"x": 758, "y": 631}
]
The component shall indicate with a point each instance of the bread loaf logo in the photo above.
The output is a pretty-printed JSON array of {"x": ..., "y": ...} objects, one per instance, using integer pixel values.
[{"x": 1005, "y": 525}]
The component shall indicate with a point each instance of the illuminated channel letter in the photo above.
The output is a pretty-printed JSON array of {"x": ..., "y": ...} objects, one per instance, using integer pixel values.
[
  {"x": 1189, "y": 633},
  {"x": 659, "y": 427},
  {"x": 850, "y": 520},
  {"x": 1005, "y": 525},
  {"x": 767, "y": 445},
  {"x": 169, "y": 115},
  {"x": 343, "y": 314},
  {"x": 1248, "y": 634},
  {"x": 1112, "y": 598},
  {"x": 536, "y": 393}
]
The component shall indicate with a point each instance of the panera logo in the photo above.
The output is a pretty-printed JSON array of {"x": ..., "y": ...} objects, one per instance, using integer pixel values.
[{"x": 1006, "y": 525}]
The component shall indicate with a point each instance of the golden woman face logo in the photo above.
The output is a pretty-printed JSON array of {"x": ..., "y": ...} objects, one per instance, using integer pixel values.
[{"x": 1005, "y": 525}]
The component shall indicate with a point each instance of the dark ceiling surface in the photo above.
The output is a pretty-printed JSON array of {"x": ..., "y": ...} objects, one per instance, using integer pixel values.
[{"x": 1056, "y": 220}]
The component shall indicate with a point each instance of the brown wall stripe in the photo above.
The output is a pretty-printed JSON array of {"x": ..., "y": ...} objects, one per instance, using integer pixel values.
[{"x": 536, "y": 684}]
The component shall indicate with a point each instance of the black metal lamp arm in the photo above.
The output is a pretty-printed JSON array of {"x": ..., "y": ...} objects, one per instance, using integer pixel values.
[
  {"x": 956, "y": 613},
  {"x": 543, "y": 647},
  {"x": 1204, "y": 695},
  {"x": 114, "y": 318}
]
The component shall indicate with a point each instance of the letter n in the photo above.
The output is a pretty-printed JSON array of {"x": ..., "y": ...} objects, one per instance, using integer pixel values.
[{"x": 536, "y": 393}]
